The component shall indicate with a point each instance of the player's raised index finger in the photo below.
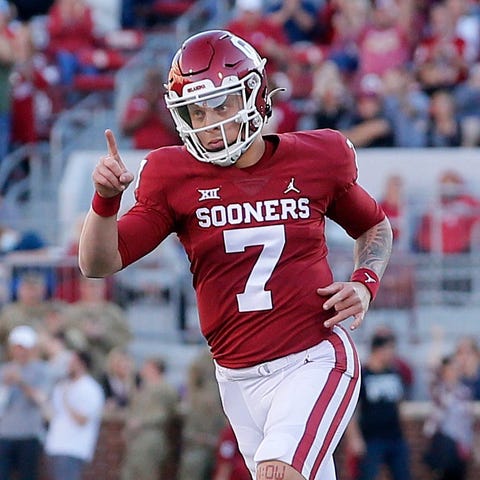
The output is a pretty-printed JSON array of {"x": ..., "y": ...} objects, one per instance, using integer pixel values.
[{"x": 112, "y": 144}]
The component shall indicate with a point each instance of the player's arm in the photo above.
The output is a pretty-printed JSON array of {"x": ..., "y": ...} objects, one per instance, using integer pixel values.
[
  {"x": 98, "y": 247},
  {"x": 371, "y": 255},
  {"x": 372, "y": 249},
  {"x": 363, "y": 219}
]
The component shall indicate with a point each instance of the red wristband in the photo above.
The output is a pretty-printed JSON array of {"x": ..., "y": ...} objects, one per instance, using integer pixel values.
[
  {"x": 106, "y": 207},
  {"x": 369, "y": 278}
]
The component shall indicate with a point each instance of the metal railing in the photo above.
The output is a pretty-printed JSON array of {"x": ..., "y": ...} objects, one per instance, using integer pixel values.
[
  {"x": 82, "y": 127},
  {"x": 34, "y": 158},
  {"x": 411, "y": 279}
]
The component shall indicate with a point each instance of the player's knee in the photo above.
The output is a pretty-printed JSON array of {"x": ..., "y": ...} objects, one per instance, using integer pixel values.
[{"x": 276, "y": 470}]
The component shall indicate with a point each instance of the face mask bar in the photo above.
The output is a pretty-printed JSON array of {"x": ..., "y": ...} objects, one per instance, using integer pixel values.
[
  {"x": 247, "y": 117},
  {"x": 177, "y": 102},
  {"x": 230, "y": 153}
]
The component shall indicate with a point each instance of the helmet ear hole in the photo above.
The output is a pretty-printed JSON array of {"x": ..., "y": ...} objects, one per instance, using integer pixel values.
[
  {"x": 229, "y": 65},
  {"x": 268, "y": 110},
  {"x": 185, "y": 115}
]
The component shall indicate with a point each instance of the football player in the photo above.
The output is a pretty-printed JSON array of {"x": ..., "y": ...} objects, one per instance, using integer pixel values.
[{"x": 250, "y": 211}]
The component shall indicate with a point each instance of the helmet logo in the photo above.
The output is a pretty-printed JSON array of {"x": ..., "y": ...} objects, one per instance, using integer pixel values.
[
  {"x": 195, "y": 88},
  {"x": 190, "y": 89},
  {"x": 247, "y": 49}
]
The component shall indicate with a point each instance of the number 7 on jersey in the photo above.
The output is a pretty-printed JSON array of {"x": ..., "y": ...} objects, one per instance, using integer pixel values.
[{"x": 272, "y": 239}]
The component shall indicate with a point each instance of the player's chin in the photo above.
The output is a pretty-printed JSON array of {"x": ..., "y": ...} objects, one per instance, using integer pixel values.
[{"x": 215, "y": 146}]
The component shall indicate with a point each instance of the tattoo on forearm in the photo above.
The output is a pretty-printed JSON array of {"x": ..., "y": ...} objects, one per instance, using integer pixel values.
[
  {"x": 271, "y": 472},
  {"x": 373, "y": 248}
]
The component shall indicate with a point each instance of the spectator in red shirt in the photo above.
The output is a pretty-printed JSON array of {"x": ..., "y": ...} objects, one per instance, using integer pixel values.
[
  {"x": 454, "y": 218},
  {"x": 440, "y": 58},
  {"x": 393, "y": 205},
  {"x": 146, "y": 118},
  {"x": 285, "y": 116},
  {"x": 341, "y": 24},
  {"x": 71, "y": 30},
  {"x": 384, "y": 43},
  {"x": 229, "y": 462},
  {"x": 32, "y": 81},
  {"x": 339, "y": 18},
  {"x": 267, "y": 37}
]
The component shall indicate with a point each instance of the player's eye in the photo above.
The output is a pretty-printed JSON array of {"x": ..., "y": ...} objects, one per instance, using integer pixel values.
[
  {"x": 197, "y": 114},
  {"x": 222, "y": 108}
]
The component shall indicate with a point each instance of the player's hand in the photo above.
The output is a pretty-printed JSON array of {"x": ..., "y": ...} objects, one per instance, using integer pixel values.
[
  {"x": 110, "y": 176},
  {"x": 348, "y": 299}
]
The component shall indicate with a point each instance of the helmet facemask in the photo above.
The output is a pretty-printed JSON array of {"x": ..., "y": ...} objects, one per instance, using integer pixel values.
[{"x": 204, "y": 92}]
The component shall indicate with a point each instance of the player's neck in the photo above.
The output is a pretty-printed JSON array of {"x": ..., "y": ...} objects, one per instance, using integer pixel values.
[{"x": 253, "y": 154}]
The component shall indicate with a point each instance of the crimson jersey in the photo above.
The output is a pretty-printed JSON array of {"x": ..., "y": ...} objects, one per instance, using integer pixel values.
[{"x": 254, "y": 237}]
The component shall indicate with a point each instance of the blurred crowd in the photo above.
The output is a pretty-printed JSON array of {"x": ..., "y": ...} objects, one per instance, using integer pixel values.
[
  {"x": 447, "y": 224},
  {"x": 398, "y": 73},
  {"x": 66, "y": 366},
  {"x": 376, "y": 437},
  {"x": 55, "y": 52},
  {"x": 386, "y": 72}
]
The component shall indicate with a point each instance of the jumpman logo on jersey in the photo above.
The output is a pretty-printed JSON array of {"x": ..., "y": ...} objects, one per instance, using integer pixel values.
[
  {"x": 369, "y": 279},
  {"x": 210, "y": 194},
  {"x": 291, "y": 187}
]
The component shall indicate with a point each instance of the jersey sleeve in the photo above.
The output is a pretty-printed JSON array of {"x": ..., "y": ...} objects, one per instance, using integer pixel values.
[
  {"x": 342, "y": 161},
  {"x": 150, "y": 220},
  {"x": 352, "y": 207},
  {"x": 356, "y": 211}
]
